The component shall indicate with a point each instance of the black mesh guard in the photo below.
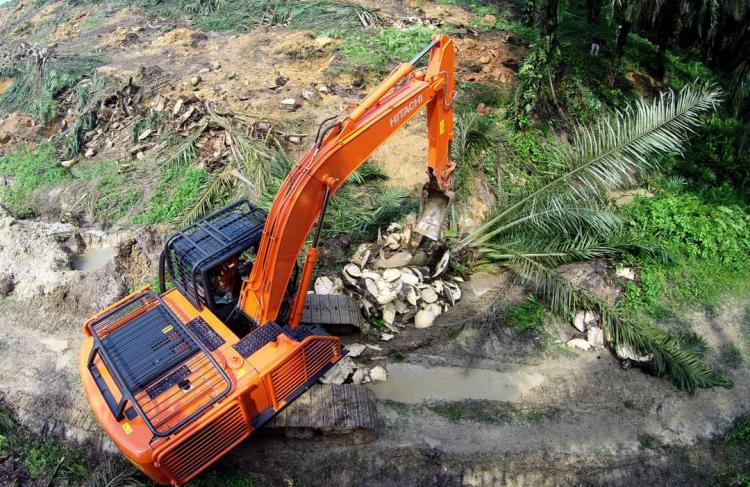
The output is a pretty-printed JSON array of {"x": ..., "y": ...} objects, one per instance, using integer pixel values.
[
  {"x": 257, "y": 339},
  {"x": 205, "y": 333},
  {"x": 213, "y": 239},
  {"x": 148, "y": 347}
]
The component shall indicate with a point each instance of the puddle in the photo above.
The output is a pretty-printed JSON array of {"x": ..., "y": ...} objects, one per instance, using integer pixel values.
[
  {"x": 411, "y": 383},
  {"x": 93, "y": 259}
]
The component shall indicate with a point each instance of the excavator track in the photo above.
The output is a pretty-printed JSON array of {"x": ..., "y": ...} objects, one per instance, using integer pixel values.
[
  {"x": 329, "y": 409},
  {"x": 339, "y": 315}
]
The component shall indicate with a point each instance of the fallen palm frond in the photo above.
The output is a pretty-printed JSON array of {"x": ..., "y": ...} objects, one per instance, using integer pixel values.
[
  {"x": 669, "y": 358},
  {"x": 6, "y": 422},
  {"x": 564, "y": 219},
  {"x": 39, "y": 79},
  {"x": 222, "y": 15},
  {"x": 115, "y": 473},
  {"x": 89, "y": 95},
  {"x": 245, "y": 174}
]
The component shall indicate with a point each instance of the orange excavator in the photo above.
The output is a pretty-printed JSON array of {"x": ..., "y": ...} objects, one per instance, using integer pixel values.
[{"x": 178, "y": 379}]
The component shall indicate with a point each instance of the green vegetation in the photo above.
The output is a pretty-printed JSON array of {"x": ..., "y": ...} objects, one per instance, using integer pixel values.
[
  {"x": 527, "y": 317},
  {"x": 51, "y": 458},
  {"x": 375, "y": 54},
  {"x": 48, "y": 461},
  {"x": 490, "y": 412},
  {"x": 647, "y": 441},
  {"x": 358, "y": 208},
  {"x": 111, "y": 194},
  {"x": 178, "y": 189},
  {"x": 706, "y": 238},
  {"x": 39, "y": 80},
  {"x": 31, "y": 171},
  {"x": 475, "y": 144},
  {"x": 237, "y": 15}
]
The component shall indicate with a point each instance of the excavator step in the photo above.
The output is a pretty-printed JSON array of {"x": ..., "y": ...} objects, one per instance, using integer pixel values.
[
  {"x": 337, "y": 314},
  {"x": 328, "y": 409}
]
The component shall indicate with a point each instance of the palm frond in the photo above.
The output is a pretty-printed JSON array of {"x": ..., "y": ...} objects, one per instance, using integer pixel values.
[
  {"x": 617, "y": 150},
  {"x": 115, "y": 473},
  {"x": 182, "y": 150},
  {"x": 684, "y": 367},
  {"x": 246, "y": 173},
  {"x": 556, "y": 214},
  {"x": 6, "y": 422}
]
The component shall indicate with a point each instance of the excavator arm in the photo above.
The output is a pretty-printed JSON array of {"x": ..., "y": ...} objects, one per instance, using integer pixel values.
[{"x": 337, "y": 152}]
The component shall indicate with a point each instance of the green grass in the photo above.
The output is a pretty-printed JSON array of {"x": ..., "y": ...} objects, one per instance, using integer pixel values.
[
  {"x": 731, "y": 356},
  {"x": 374, "y": 53},
  {"x": 177, "y": 191},
  {"x": 110, "y": 194},
  {"x": 490, "y": 412},
  {"x": 528, "y": 317},
  {"x": 708, "y": 240},
  {"x": 31, "y": 172},
  {"x": 45, "y": 457}
]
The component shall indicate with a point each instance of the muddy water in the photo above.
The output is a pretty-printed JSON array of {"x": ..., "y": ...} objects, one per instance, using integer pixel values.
[
  {"x": 93, "y": 259},
  {"x": 411, "y": 383}
]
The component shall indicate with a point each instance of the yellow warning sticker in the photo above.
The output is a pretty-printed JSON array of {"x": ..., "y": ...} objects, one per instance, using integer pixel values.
[
  {"x": 167, "y": 329},
  {"x": 442, "y": 127},
  {"x": 128, "y": 429}
]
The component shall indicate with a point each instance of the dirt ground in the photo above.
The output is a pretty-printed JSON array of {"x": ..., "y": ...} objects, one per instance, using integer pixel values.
[{"x": 596, "y": 414}]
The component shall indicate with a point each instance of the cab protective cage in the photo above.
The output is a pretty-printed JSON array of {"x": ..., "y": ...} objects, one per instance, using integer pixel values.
[
  {"x": 141, "y": 359},
  {"x": 190, "y": 254}
]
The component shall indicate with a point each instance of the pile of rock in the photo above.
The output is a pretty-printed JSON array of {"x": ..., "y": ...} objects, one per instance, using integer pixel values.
[
  {"x": 394, "y": 283},
  {"x": 589, "y": 323},
  {"x": 347, "y": 370}
]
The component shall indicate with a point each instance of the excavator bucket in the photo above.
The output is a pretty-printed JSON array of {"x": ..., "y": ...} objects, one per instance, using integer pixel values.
[{"x": 433, "y": 211}]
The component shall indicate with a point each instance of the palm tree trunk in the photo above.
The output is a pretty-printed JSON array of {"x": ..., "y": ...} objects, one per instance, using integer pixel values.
[
  {"x": 622, "y": 39},
  {"x": 593, "y": 11}
]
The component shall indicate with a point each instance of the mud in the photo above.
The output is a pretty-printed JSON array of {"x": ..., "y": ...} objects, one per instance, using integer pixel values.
[
  {"x": 94, "y": 259},
  {"x": 412, "y": 383}
]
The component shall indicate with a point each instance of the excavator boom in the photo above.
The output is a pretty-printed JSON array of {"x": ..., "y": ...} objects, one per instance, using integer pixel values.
[{"x": 338, "y": 153}]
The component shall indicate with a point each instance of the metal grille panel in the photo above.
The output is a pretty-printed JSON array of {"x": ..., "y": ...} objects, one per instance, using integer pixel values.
[
  {"x": 205, "y": 333},
  {"x": 301, "y": 367},
  {"x": 192, "y": 455}
]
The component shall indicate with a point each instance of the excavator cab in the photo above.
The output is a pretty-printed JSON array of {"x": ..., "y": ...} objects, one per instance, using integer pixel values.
[{"x": 208, "y": 260}]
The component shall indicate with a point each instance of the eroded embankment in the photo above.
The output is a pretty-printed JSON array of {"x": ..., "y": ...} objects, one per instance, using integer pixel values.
[{"x": 48, "y": 291}]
